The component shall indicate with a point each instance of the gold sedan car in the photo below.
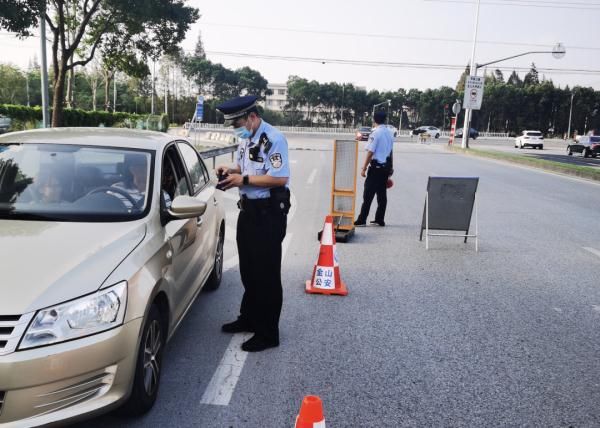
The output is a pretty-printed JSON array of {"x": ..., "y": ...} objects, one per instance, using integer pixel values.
[{"x": 107, "y": 238}]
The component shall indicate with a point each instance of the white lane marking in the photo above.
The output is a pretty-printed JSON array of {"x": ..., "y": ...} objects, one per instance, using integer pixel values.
[
  {"x": 311, "y": 177},
  {"x": 592, "y": 250},
  {"x": 230, "y": 263},
  {"x": 221, "y": 386},
  {"x": 230, "y": 233},
  {"x": 226, "y": 376}
]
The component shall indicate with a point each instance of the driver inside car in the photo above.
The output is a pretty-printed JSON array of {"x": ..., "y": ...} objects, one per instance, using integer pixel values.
[{"x": 136, "y": 179}]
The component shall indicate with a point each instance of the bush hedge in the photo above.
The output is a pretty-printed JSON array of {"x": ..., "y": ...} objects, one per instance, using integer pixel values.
[{"x": 76, "y": 117}]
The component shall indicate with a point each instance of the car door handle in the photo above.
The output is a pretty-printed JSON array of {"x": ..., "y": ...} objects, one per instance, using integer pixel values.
[
  {"x": 215, "y": 202},
  {"x": 199, "y": 222}
]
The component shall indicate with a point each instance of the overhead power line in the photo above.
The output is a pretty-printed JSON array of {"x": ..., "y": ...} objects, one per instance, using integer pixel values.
[
  {"x": 392, "y": 36},
  {"x": 526, "y": 3},
  {"x": 413, "y": 65}
]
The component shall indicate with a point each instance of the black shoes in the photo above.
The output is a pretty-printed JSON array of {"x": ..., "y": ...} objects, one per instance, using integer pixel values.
[
  {"x": 362, "y": 223},
  {"x": 257, "y": 343},
  {"x": 237, "y": 326}
]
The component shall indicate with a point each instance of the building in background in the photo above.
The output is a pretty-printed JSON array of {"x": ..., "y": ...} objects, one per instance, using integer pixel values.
[{"x": 278, "y": 99}]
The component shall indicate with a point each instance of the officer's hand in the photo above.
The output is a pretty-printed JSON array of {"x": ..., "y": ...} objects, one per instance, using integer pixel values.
[
  {"x": 222, "y": 170},
  {"x": 232, "y": 180},
  {"x": 363, "y": 173}
]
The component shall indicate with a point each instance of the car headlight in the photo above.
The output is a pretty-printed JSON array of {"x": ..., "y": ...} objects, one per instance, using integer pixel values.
[{"x": 85, "y": 316}]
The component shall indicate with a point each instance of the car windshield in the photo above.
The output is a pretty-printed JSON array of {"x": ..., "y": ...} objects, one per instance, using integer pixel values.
[
  {"x": 365, "y": 128},
  {"x": 534, "y": 134},
  {"x": 64, "y": 182}
]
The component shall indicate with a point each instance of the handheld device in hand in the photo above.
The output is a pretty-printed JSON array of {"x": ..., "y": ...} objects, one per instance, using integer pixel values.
[{"x": 221, "y": 177}]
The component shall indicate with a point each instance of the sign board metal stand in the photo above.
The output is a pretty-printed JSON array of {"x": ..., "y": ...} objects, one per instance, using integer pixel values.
[
  {"x": 449, "y": 205},
  {"x": 343, "y": 188}
]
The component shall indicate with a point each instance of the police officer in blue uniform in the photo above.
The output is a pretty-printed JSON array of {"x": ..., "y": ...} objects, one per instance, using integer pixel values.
[
  {"x": 379, "y": 162},
  {"x": 262, "y": 173}
]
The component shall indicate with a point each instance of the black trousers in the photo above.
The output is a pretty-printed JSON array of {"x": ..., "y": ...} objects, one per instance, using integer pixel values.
[
  {"x": 260, "y": 232},
  {"x": 375, "y": 184}
]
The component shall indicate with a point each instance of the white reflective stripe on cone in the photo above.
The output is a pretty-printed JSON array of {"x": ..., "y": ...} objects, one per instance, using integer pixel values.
[
  {"x": 327, "y": 235},
  {"x": 319, "y": 424}
]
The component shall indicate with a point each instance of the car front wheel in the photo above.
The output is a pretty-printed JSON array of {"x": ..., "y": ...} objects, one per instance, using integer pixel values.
[
  {"x": 214, "y": 280},
  {"x": 569, "y": 151},
  {"x": 148, "y": 367},
  {"x": 585, "y": 153}
]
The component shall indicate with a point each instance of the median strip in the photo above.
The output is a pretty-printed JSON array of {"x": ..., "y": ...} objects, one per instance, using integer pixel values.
[{"x": 587, "y": 172}]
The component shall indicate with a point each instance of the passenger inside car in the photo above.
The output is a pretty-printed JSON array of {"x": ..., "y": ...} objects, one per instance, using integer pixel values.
[{"x": 50, "y": 186}]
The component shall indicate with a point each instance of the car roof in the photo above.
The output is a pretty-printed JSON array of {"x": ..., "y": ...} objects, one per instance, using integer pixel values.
[
  {"x": 532, "y": 130},
  {"x": 106, "y": 137}
]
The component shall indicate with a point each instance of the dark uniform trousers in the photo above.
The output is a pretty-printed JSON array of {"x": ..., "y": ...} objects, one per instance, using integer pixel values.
[
  {"x": 375, "y": 184},
  {"x": 261, "y": 228}
]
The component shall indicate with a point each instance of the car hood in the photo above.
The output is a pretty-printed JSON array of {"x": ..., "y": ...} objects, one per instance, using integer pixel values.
[{"x": 45, "y": 263}]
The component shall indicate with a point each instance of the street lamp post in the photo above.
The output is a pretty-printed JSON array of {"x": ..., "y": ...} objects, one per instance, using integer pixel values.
[
  {"x": 558, "y": 51},
  {"x": 472, "y": 72},
  {"x": 382, "y": 103}
]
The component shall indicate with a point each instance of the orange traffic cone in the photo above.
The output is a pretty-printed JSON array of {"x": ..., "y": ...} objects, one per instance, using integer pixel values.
[
  {"x": 311, "y": 413},
  {"x": 326, "y": 273}
]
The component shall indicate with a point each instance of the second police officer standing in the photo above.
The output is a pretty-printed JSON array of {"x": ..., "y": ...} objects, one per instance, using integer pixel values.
[
  {"x": 262, "y": 173},
  {"x": 379, "y": 162}
]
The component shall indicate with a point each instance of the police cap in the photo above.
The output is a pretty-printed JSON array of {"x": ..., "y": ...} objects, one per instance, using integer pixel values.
[{"x": 237, "y": 107}]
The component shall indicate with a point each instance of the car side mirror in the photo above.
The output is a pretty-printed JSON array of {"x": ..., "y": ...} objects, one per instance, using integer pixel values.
[{"x": 186, "y": 207}]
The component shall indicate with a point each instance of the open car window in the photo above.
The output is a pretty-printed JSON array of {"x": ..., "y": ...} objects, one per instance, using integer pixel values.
[{"x": 67, "y": 182}]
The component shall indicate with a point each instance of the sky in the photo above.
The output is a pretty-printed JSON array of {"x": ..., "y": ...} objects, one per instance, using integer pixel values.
[{"x": 392, "y": 35}]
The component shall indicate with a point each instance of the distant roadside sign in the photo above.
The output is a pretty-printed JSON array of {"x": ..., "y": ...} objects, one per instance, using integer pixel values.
[
  {"x": 473, "y": 92},
  {"x": 200, "y": 108},
  {"x": 456, "y": 107}
]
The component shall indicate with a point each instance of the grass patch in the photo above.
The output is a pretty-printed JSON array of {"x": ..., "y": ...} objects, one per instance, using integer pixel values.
[{"x": 562, "y": 168}]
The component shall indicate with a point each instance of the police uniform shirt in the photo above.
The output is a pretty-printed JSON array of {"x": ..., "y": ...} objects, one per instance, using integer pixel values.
[
  {"x": 271, "y": 159},
  {"x": 380, "y": 143}
]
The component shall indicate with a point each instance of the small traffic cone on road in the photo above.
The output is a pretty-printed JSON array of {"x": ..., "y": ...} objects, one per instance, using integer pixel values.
[
  {"x": 326, "y": 273},
  {"x": 311, "y": 413}
]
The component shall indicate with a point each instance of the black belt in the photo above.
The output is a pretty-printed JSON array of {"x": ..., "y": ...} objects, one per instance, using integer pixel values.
[
  {"x": 278, "y": 195},
  {"x": 377, "y": 164}
]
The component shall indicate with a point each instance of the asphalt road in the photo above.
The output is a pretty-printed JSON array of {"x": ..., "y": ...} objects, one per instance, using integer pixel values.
[{"x": 508, "y": 336}]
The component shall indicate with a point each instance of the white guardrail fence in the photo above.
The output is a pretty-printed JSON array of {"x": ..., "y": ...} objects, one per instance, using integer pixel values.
[{"x": 319, "y": 130}]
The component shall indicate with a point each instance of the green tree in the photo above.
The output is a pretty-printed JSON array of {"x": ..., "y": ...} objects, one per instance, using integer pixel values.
[
  {"x": 126, "y": 32},
  {"x": 532, "y": 77},
  {"x": 13, "y": 85},
  {"x": 514, "y": 79}
]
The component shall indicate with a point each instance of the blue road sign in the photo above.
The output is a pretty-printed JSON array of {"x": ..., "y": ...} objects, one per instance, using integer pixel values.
[{"x": 200, "y": 108}]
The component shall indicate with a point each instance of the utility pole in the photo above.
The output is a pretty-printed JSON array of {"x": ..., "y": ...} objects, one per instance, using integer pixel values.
[
  {"x": 152, "y": 97},
  {"x": 570, "y": 115},
  {"x": 114, "y": 92},
  {"x": 44, "y": 71},
  {"x": 472, "y": 72}
]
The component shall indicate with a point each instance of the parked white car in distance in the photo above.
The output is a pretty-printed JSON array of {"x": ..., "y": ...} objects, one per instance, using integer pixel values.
[{"x": 533, "y": 139}]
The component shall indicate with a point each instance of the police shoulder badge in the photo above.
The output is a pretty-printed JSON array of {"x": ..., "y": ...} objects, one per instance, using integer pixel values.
[{"x": 276, "y": 160}]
